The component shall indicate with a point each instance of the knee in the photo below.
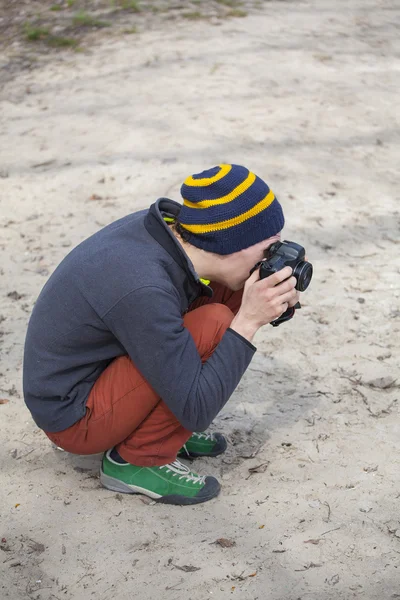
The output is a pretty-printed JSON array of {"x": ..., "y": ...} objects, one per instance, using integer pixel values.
[
  {"x": 210, "y": 313},
  {"x": 219, "y": 313}
]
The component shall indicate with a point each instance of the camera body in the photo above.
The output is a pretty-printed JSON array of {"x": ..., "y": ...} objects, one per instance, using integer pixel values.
[{"x": 287, "y": 254}]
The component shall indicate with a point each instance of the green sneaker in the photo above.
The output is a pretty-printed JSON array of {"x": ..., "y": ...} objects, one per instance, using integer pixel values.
[
  {"x": 170, "y": 484},
  {"x": 203, "y": 444}
]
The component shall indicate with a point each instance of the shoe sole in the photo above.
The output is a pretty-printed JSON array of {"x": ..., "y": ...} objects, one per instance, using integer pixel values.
[{"x": 115, "y": 485}]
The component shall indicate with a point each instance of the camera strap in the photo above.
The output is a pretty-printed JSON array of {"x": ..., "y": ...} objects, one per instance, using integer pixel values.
[{"x": 286, "y": 316}]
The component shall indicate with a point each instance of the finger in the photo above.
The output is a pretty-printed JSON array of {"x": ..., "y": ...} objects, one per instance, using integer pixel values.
[
  {"x": 255, "y": 276},
  {"x": 295, "y": 300},
  {"x": 278, "y": 277},
  {"x": 286, "y": 286},
  {"x": 287, "y": 298},
  {"x": 281, "y": 309}
]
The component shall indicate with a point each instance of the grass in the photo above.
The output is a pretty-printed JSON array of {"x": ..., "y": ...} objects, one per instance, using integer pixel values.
[
  {"x": 39, "y": 30},
  {"x": 232, "y": 3},
  {"x": 83, "y": 19},
  {"x": 193, "y": 15},
  {"x": 130, "y": 30},
  {"x": 35, "y": 33},
  {"x": 130, "y": 5},
  {"x": 57, "y": 41},
  {"x": 236, "y": 12}
]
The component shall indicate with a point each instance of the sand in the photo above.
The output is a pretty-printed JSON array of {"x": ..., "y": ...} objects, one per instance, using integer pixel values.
[{"x": 306, "y": 95}]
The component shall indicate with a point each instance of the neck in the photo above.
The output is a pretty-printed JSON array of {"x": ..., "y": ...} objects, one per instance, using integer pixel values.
[{"x": 204, "y": 263}]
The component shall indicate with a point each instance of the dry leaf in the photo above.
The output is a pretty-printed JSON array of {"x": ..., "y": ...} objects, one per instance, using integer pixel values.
[
  {"x": 225, "y": 543},
  {"x": 315, "y": 542},
  {"x": 16, "y": 506},
  {"x": 4, "y": 401},
  {"x": 261, "y": 468},
  {"x": 252, "y": 574},
  {"x": 186, "y": 568},
  {"x": 95, "y": 197},
  {"x": 261, "y": 527}
]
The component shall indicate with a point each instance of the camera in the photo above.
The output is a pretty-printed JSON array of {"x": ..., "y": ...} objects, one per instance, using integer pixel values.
[{"x": 287, "y": 254}]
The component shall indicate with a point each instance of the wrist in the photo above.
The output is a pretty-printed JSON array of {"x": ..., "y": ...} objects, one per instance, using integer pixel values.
[{"x": 244, "y": 328}]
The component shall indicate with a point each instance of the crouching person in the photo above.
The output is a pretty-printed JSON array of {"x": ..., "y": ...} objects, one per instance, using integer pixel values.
[{"x": 144, "y": 330}]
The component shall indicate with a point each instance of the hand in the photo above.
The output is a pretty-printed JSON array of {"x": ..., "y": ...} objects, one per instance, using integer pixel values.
[
  {"x": 264, "y": 301},
  {"x": 296, "y": 299}
]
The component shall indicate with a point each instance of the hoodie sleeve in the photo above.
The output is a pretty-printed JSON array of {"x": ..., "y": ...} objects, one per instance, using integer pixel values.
[{"x": 148, "y": 323}]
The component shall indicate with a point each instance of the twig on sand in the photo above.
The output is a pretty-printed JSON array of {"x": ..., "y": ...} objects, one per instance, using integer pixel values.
[
  {"x": 330, "y": 530},
  {"x": 174, "y": 587},
  {"x": 310, "y": 565}
]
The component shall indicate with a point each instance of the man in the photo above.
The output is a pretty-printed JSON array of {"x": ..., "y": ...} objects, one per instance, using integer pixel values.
[{"x": 145, "y": 329}]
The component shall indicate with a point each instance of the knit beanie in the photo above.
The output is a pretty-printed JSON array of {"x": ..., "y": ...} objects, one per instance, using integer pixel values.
[{"x": 228, "y": 208}]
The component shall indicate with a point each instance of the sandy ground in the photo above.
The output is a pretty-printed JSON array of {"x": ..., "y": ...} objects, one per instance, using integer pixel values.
[{"x": 306, "y": 95}]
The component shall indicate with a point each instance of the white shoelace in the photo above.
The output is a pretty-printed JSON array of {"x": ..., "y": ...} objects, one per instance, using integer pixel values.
[
  {"x": 201, "y": 436},
  {"x": 181, "y": 470},
  {"x": 204, "y": 436}
]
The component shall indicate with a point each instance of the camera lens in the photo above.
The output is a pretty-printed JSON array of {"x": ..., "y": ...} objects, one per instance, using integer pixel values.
[{"x": 303, "y": 272}]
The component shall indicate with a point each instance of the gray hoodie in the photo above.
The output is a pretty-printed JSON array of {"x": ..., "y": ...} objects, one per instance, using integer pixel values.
[{"x": 123, "y": 291}]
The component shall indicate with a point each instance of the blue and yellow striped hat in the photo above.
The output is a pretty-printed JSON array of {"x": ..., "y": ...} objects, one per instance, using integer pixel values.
[{"x": 228, "y": 208}]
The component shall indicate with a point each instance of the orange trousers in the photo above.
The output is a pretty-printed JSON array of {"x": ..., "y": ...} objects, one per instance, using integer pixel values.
[{"x": 124, "y": 411}]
